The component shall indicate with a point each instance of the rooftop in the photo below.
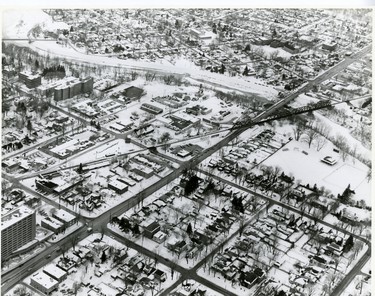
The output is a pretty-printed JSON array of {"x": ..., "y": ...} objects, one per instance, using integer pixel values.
[
  {"x": 44, "y": 280},
  {"x": 64, "y": 215},
  {"x": 54, "y": 270},
  {"x": 30, "y": 75},
  {"x": 15, "y": 216},
  {"x": 117, "y": 184}
]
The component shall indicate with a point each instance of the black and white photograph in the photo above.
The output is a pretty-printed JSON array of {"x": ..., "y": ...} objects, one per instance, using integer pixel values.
[{"x": 186, "y": 151}]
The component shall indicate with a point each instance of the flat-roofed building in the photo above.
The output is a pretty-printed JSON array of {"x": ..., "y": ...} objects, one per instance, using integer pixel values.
[
  {"x": 18, "y": 228},
  {"x": 151, "y": 109},
  {"x": 30, "y": 79},
  {"x": 52, "y": 224},
  {"x": 55, "y": 272},
  {"x": 69, "y": 88},
  {"x": 66, "y": 218},
  {"x": 43, "y": 282},
  {"x": 143, "y": 171},
  {"x": 117, "y": 186}
]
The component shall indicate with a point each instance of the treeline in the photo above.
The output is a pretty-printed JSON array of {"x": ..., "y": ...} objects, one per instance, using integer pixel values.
[{"x": 54, "y": 72}]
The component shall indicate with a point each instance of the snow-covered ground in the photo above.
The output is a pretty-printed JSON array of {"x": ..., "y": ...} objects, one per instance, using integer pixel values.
[
  {"x": 101, "y": 177},
  {"x": 340, "y": 130},
  {"x": 18, "y": 23},
  {"x": 113, "y": 147},
  {"x": 16, "y": 26},
  {"x": 179, "y": 209},
  {"x": 19, "y": 289},
  {"x": 268, "y": 50},
  {"x": 313, "y": 171},
  {"x": 280, "y": 266},
  {"x": 108, "y": 276},
  {"x": 191, "y": 286}
]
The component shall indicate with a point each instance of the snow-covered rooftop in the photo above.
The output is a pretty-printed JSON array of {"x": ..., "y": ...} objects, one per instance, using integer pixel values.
[{"x": 15, "y": 216}]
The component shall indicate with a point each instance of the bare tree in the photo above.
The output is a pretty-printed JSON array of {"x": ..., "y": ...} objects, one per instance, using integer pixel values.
[
  {"x": 298, "y": 130},
  {"x": 309, "y": 136},
  {"x": 341, "y": 142},
  {"x": 76, "y": 287},
  {"x": 134, "y": 75},
  {"x": 150, "y": 76},
  {"x": 310, "y": 290},
  {"x": 320, "y": 142},
  {"x": 73, "y": 240},
  {"x": 274, "y": 55},
  {"x": 168, "y": 79}
]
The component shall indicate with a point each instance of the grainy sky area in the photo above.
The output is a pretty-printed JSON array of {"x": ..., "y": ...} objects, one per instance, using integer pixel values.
[{"x": 211, "y": 3}]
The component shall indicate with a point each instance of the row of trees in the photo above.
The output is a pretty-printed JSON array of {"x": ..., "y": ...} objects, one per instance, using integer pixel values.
[
  {"x": 311, "y": 132},
  {"x": 53, "y": 71},
  {"x": 315, "y": 132}
]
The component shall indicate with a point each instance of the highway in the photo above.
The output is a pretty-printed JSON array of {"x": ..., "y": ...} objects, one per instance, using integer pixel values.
[{"x": 99, "y": 223}]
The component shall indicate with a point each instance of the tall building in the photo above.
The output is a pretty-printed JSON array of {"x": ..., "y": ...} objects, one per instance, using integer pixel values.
[
  {"x": 70, "y": 88},
  {"x": 17, "y": 229}
]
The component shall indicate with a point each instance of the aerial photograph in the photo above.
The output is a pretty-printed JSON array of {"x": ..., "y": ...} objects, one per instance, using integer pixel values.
[{"x": 186, "y": 152}]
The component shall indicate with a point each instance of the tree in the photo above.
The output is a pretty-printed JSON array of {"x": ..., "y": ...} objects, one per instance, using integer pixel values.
[
  {"x": 320, "y": 143},
  {"x": 274, "y": 55},
  {"x": 346, "y": 195},
  {"x": 80, "y": 168},
  {"x": 165, "y": 138},
  {"x": 189, "y": 229},
  {"x": 76, "y": 286},
  {"x": 103, "y": 258},
  {"x": 5, "y": 108},
  {"x": 73, "y": 241},
  {"x": 21, "y": 291},
  {"x": 191, "y": 185},
  {"x": 348, "y": 244},
  {"x": 246, "y": 71},
  {"x": 309, "y": 136},
  {"x": 222, "y": 69},
  {"x": 242, "y": 226},
  {"x": 134, "y": 75},
  {"x": 341, "y": 143},
  {"x": 168, "y": 79}
]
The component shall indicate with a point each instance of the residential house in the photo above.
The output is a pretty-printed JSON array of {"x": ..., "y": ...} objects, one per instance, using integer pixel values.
[{"x": 151, "y": 229}]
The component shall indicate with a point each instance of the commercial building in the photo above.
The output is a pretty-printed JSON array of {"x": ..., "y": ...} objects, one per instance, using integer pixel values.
[
  {"x": 143, "y": 171},
  {"x": 30, "y": 79},
  {"x": 43, "y": 282},
  {"x": 18, "y": 228},
  {"x": 118, "y": 186},
  {"x": 121, "y": 127},
  {"x": 151, "y": 109},
  {"x": 64, "y": 217},
  {"x": 55, "y": 272},
  {"x": 52, "y": 224}
]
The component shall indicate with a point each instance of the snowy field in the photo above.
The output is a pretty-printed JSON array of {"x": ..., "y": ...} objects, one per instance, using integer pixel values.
[{"x": 335, "y": 178}]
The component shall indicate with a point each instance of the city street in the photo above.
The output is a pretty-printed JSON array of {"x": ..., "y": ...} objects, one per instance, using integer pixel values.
[{"x": 96, "y": 221}]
